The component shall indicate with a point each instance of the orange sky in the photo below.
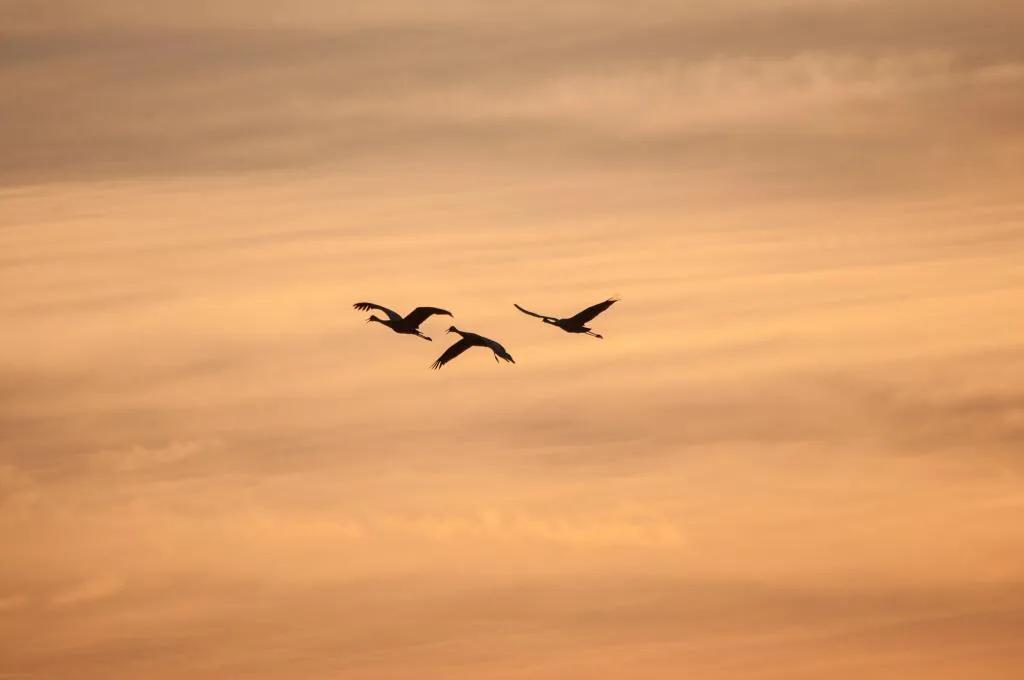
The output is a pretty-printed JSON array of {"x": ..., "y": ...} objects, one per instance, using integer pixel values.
[{"x": 795, "y": 455}]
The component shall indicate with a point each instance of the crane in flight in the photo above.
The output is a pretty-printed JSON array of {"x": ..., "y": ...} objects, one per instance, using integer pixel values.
[
  {"x": 471, "y": 340},
  {"x": 409, "y": 324},
  {"x": 577, "y": 323}
]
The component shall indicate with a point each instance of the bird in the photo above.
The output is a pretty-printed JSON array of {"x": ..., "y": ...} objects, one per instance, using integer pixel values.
[
  {"x": 577, "y": 323},
  {"x": 471, "y": 340},
  {"x": 409, "y": 324}
]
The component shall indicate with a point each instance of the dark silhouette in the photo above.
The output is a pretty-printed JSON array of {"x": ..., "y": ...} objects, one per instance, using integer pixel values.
[
  {"x": 575, "y": 324},
  {"x": 470, "y": 340},
  {"x": 410, "y": 325}
]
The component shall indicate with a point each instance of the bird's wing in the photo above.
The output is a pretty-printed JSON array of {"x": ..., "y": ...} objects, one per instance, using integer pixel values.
[
  {"x": 499, "y": 350},
  {"x": 452, "y": 352},
  {"x": 367, "y": 306},
  {"x": 539, "y": 316},
  {"x": 592, "y": 311},
  {"x": 421, "y": 314}
]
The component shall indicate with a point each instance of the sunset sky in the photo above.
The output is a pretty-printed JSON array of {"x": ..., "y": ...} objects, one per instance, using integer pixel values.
[{"x": 797, "y": 453}]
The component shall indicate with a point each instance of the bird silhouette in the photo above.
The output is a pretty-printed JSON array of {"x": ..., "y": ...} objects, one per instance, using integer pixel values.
[
  {"x": 409, "y": 324},
  {"x": 577, "y": 323},
  {"x": 471, "y": 340}
]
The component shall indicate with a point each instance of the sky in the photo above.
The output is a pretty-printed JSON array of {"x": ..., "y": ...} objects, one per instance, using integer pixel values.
[{"x": 796, "y": 453}]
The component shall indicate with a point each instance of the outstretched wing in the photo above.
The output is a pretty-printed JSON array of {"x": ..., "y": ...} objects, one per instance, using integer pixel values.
[
  {"x": 539, "y": 316},
  {"x": 452, "y": 352},
  {"x": 367, "y": 306},
  {"x": 592, "y": 311},
  {"x": 421, "y": 314},
  {"x": 498, "y": 350}
]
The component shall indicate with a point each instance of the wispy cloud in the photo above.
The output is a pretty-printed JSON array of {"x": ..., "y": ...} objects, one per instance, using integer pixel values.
[
  {"x": 794, "y": 454},
  {"x": 141, "y": 457},
  {"x": 746, "y": 89},
  {"x": 92, "y": 590}
]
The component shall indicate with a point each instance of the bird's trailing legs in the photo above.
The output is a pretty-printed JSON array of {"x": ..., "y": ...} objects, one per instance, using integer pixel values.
[{"x": 577, "y": 322}]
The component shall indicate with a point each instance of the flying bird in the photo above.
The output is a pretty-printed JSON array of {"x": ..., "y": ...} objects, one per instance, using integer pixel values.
[
  {"x": 409, "y": 324},
  {"x": 577, "y": 323},
  {"x": 471, "y": 340}
]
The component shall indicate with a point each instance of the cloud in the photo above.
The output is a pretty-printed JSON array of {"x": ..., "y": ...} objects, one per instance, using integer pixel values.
[
  {"x": 606, "y": 530},
  {"x": 12, "y": 602},
  {"x": 752, "y": 92},
  {"x": 141, "y": 457},
  {"x": 794, "y": 454},
  {"x": 91, "y": 590}
]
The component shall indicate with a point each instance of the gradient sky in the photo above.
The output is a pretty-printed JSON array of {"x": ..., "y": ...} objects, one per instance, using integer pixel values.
[{"x": 797, "y": 454}]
